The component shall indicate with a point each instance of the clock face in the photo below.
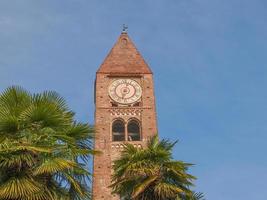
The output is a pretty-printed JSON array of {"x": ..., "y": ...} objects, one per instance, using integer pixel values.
[{"x": 125, "y": 91}]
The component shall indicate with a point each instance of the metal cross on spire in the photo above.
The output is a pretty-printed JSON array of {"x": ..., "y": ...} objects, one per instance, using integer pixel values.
[{"x": 124, "y": 28}]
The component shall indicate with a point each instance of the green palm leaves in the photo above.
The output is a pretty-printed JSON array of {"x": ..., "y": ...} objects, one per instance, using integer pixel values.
[
  {"x": 42, "y": 148},
  {"x": 151, "y": 173}
]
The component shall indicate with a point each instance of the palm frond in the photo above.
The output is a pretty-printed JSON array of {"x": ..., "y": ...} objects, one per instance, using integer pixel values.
[
  {"x": 54, "y": 165},
  {"x": 141, "y": 187},
  {"x": 19, "y": 188}
]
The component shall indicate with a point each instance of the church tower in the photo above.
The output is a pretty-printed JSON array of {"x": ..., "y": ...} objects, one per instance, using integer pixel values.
[{"x": 124, "y": 110}]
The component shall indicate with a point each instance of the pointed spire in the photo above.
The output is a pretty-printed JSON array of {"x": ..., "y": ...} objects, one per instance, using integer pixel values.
[{"x": 124, "y": 58}]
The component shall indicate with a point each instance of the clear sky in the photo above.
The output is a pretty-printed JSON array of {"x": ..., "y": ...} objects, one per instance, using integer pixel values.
[{"x": 209, "y": 59}]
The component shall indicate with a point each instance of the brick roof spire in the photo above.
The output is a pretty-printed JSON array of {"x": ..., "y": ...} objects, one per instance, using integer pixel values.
[{"x": 124, "y": 58}]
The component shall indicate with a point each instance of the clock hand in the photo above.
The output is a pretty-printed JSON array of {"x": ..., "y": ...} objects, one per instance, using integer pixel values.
[{"x": 123, "y": 95}]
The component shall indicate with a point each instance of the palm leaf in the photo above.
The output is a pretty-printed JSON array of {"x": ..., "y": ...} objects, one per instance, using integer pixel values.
[
  {"x": 19, "y": 188},
  {"x": 143, "y": 186},
  {"x": 55, "y": 165}
]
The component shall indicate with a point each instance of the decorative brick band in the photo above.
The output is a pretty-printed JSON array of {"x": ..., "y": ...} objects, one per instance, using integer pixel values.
[
  {"x": 120, "y": 146},
  {"x": 127, "y": 112}
]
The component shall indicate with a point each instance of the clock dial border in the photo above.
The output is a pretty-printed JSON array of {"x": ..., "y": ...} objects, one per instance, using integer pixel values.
[{"x": 118, "y": 82}]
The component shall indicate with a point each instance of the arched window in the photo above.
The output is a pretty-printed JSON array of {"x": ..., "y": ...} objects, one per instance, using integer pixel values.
[
  {"x": 118, "y": 130},
  {"x": 133, "y": 129}
]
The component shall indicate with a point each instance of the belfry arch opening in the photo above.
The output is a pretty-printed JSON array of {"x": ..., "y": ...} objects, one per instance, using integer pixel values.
[
  {"x": 133, "y": 129},
  {"x": 118, "y": 130}
]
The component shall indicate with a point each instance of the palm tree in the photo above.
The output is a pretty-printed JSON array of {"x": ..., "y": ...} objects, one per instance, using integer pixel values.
[
  {"x": 151, "y": 173},
  {"x": 43, "y": 150}
]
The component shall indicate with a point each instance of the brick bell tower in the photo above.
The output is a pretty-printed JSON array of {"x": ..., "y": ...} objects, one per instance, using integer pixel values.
[{"x": 124, "y": 110}]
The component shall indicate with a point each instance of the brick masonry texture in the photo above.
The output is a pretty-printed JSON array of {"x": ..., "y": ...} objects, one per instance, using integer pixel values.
[{"x": 124, "y": 61}]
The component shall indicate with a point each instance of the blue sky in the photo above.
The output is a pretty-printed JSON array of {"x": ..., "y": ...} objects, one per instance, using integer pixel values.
[{"x": 209, "y": 59}]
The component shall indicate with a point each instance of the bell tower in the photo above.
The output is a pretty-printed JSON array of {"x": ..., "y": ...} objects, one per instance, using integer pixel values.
[{"x": 124, "y": 110}]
